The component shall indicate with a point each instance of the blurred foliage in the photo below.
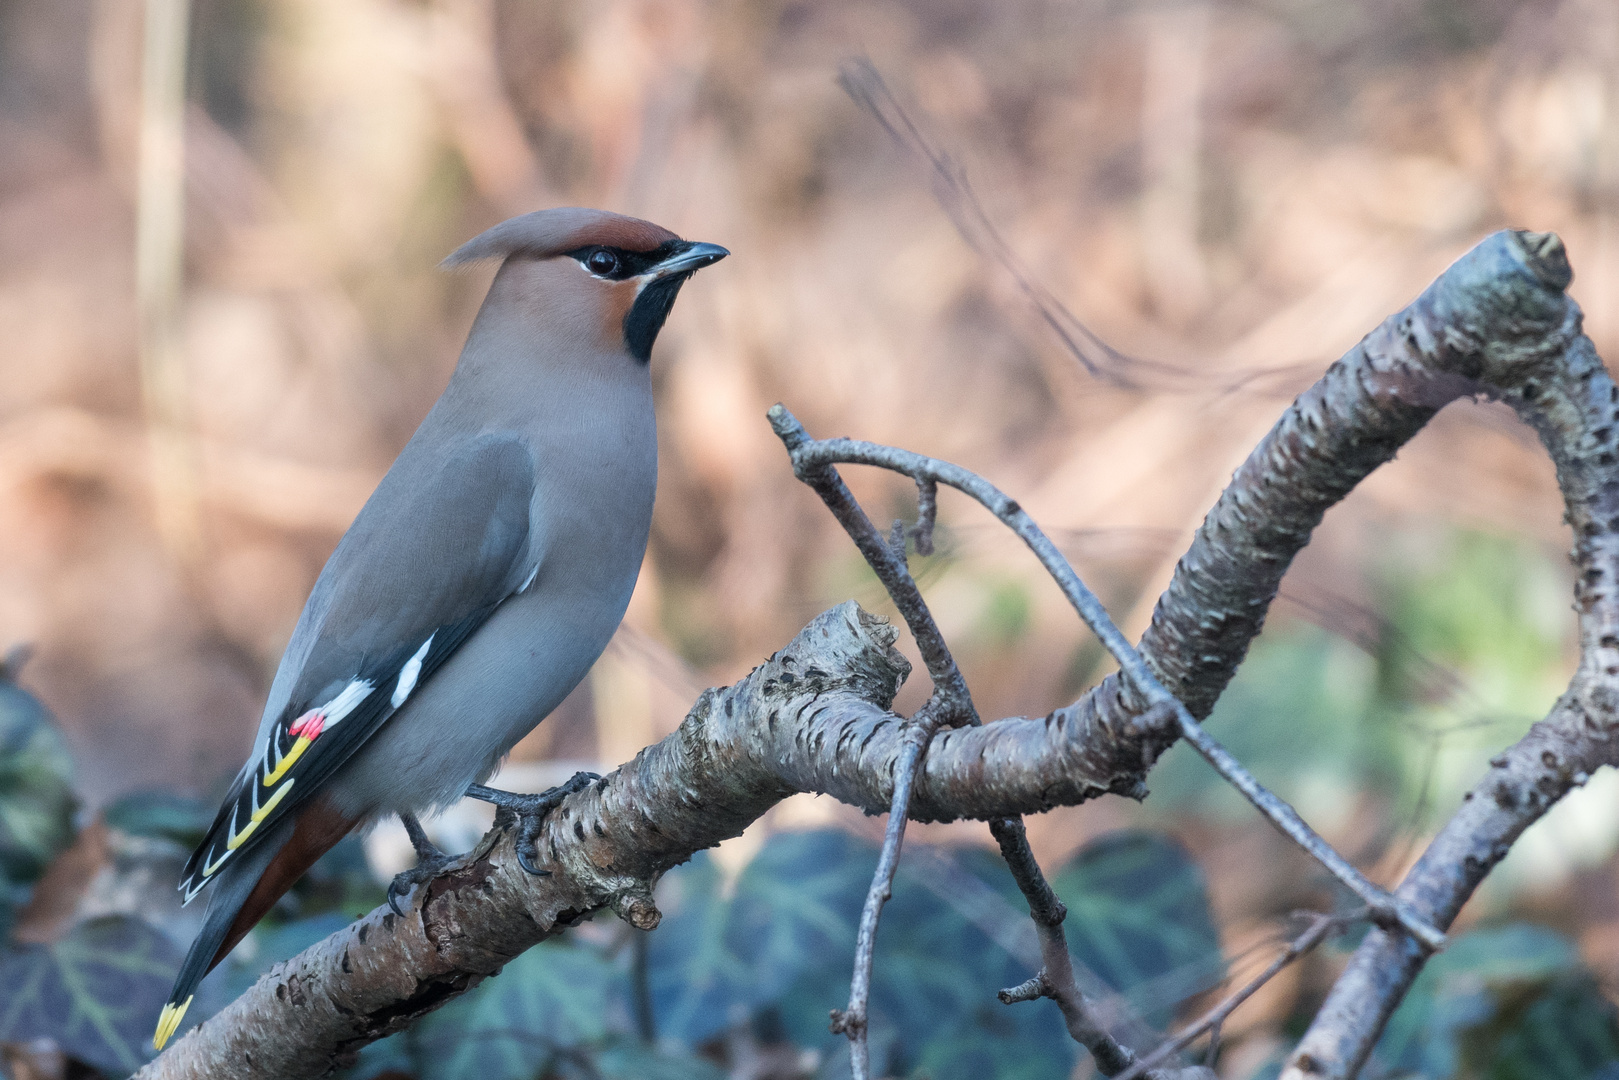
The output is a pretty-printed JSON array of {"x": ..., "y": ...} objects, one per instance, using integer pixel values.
[
  {"x": 95, "y": 992},
  {"x": 1138, "y": 916},
  {"x": 769, "y": 953},
  {"x": 36, "y": 794},
  {"x": 750, "y": 958},
  {"x": 1463, "y": 653},
  {"x": 1509, "y": 1003},
  {"x": 160, "y": 815}
]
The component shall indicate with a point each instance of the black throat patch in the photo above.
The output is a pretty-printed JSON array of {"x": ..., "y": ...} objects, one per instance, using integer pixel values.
[{"x": 646, "y": 317}]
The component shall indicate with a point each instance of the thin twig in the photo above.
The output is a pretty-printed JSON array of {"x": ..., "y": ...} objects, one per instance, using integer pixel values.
[
  {"x": 889, "y": 564},
  {"x": 866, "y": 87},
  {"x": 1056, "y": 976},
  {"x": 927, "y": 512},
  {"x": 812, "y": 457},
  {"x": 855, "y": 1020},
  {"x": 1320, "y": 926},
  {"x": 951, "y": 704}
]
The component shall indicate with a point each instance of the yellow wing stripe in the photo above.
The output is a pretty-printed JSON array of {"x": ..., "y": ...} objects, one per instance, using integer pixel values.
[
  {"x": 264, "y": 811},
  {"x": 258, "y": 815},
  {"x": 281, "y": 767},
  {"x": 168, "y": 1022}
]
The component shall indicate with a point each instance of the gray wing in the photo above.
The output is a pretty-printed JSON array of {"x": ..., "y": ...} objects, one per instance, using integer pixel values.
[{"x": 442, "y": 542}]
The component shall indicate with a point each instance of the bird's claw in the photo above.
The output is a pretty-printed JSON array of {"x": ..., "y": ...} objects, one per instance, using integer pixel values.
[
  {"x": 430, "y": 863},
  {"x": 426, "y": 869},
  {"x": 530, "y": 812}
]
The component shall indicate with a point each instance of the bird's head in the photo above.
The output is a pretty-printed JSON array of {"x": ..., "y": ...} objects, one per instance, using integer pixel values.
[{"x": 595, "y": 273}]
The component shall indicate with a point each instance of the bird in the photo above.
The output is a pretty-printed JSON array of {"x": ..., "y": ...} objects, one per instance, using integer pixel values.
[{"x": 478, "y": 584}]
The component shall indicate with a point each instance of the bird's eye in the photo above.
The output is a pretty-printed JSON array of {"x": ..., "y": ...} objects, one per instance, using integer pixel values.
[{"x": 602, "y": 262}]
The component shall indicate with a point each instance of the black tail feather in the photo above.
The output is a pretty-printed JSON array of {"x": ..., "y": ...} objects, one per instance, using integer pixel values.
[{"x": 231, "y": 887}]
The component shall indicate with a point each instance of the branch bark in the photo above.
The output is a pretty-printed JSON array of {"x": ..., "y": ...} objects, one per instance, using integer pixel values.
[
  {"x": 1550, "y": 374},
  {"x": 815, "y": 716}
]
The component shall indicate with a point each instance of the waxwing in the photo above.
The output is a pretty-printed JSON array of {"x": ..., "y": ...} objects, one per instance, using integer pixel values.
[{"x": 481, "y": 580}]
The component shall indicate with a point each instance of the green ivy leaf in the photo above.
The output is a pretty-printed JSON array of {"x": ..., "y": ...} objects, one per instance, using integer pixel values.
[
  {"x": 550, "y": 1000},
  {"x": 36, "y": 794},
  {"x": 723, "y": 954},
  {"x": 1139, "y": 917},
  {"x": 1492, "y": 999},
  {"x": 96, "y": 992},
  {"x": 778, "y": 945},
  {"x": 938, "y": 967},
  {"x": 161, "y": 815},
  {"x": 627, "y": 1059},
  {"x": 1567, "y": 1033}
]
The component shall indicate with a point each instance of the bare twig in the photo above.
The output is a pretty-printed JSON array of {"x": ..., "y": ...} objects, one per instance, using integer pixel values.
[
  {"x": 854, "y": 1021},
  {"x": 951, "y": 697},
  {"x": 1055, "y": 978},
  {"x": 951, "y": 704},
  {"x": 927, "y": 512},
  {"x": 810, "y": 455},
  {"x": 1320, "y": 926},
  {"x": 865, "y": 85}
]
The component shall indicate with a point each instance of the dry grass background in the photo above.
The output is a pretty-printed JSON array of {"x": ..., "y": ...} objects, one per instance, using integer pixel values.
[{"x": 1221, "y": 185}]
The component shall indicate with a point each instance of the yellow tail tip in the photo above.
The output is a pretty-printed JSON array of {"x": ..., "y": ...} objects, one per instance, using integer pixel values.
[{"x": 169, "y": 1021}]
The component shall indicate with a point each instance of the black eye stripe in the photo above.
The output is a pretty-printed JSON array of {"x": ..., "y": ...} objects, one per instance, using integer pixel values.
[{"x": 630, "y": 263}]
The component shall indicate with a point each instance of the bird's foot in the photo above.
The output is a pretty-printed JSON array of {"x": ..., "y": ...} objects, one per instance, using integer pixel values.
[
  {"x": 430, "y": 863},
  {"x": 530, "y": 812}
]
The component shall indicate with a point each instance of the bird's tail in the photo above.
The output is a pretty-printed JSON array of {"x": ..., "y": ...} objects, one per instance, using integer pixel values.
[
  {"x": 243, "y": 891},
  {"x": 231, "y": 889}
]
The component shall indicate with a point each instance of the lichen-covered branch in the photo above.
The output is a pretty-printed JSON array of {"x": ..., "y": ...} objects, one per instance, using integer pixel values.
[
  {"x": 950, "y": 703},
  {"x": 811, "y": 457},
  {"x": 1519, "y": 341},
  {"x": 816, "y": 716}
]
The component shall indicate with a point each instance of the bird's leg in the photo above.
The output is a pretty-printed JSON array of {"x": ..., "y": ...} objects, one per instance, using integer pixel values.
[
  {"x": 530, "y": 811},
  {"x": 430, "y": 862}
]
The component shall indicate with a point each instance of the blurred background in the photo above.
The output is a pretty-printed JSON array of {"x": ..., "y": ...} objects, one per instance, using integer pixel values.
[{"x": 211, "y": 354}]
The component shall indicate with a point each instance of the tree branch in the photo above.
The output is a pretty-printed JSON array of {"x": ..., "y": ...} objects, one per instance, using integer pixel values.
[
  {"x": 815, "y": 716},
  {"x": 1320, "y": 926},
  {"x": 810, "y": 456},
  {"x": 1527, "y": 349},
  {"x": 952, "y": 703}
]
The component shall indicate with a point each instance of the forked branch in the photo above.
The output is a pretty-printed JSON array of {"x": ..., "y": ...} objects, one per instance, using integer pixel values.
[
  {"x": 951, "y": 704},
  {"x": 1320, "y": 926},
  {"x": 810, "y": 455},
  {"x": 815, "y": 716}
]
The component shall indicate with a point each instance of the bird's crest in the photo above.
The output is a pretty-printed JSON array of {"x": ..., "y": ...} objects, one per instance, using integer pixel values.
[{"x": 546, "y": 233}]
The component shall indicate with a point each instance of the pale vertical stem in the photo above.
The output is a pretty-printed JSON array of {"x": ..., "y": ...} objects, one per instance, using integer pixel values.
[
  {"x": 159, "y": 267},
  {"x": 1171, "y": 140}
]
